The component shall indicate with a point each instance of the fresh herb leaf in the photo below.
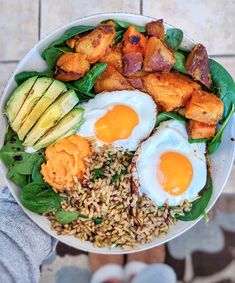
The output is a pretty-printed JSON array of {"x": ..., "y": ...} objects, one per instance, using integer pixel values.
[
  {"x": 98, "y": 220},
  {"x": 199, "y": 205},
  {"x": 23, "y": 76},
  {"x": 65, "y": 217},
  {"x": 70, "y": 33},
  {"x": 164, "y": 116},
  {"x": 52, "y": 54},
  {"x": 98, "y": 173},
  {"x": 197, "y": 140},
  {"x": 85, "y": 84},
  {"x": 174, "y": 37},
  {"x": 179, "y": 62},
  {"x": 39, "y": 197},
  {"x": 213, "y": 144},
  {"x": 223, "y": 86},
  {"x": 117, "y": 176}
]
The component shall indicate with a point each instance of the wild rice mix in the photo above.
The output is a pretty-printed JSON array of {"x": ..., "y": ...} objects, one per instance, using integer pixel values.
[{"x": 110, "y": 212}]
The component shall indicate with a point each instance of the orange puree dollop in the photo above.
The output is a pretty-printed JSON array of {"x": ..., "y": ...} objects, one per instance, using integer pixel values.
[{"x": 64, "y": 161}]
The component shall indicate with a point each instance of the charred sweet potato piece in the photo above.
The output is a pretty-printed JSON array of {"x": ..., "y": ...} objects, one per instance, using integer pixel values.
[
  {"x": 132, "y": 63},
  {"x": 197, "y": 65},
  {"x": 156, "y": 28},
  {"x": 169, "y": 90},
  {"x": 157, "y": 56},
  {"x": 96, "y": 44},
  {"x": 71, "y": 42},
  {"x": 133, "y": 41},
  {"x": 204, "y": 107},
  {"x": 200, "y": 130},
  {"x": 111, "y": 80},
  {"x": 71, "y": 66},
  {"x": 136, "y": 82},
  {"x": 113, "y": 57}
]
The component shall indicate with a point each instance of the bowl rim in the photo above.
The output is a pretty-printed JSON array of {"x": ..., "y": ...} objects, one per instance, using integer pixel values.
[{"x": 7, "y": 182}]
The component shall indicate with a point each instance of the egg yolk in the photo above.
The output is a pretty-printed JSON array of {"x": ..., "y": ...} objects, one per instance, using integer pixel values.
[
  {"x": 174, "y": 173},
  {"x": 116, "y": 124}
]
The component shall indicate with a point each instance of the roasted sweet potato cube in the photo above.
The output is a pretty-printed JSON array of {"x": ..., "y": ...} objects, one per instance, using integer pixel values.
[
  {"x": 156, "y": 28},
  {"x": 169, "y": 90},
  {"x": 200, "y": 130},
  {"x": 71, "y": 66},
  {"x": 71, "y": 42},
  {"x": 134, "y": 41},
  {"x": 204, "y": 107},
  {"x": 113, "y": 57},
  {"x": 158, "y": 57},
  {"x": 136, "y": 82},
  {"x": 96, "y": 44},
  {"x": 132, "y": 63},
  {"x": 111, "y": 80},
  {"x": 197, "y": 65}
]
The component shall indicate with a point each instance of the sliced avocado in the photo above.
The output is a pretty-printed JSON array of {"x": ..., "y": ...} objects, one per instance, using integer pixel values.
[
  {"x": 54, "y": 90},
  {"x": 52, "y": 116},
  {"x": 67, "y": 126},
  {"x": 18, "y": 97},
  {"x": 37, "y": 91}
]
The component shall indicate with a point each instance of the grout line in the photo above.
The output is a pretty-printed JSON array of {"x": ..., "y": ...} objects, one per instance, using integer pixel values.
[
  {"x": 222, "y": 55},
  {"x": 8, "y": 61},
  {"x": 39, "y": 19},
  {"x": 141, "y": 7}
]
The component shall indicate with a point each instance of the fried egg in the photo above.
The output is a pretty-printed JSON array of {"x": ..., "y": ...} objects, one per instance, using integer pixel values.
[
  {"x": 168, "y": 168},
  {"x": 122, "y": 118}
]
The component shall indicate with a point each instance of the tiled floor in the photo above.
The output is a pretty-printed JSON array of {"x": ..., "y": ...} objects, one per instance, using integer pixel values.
[{"x": 23, "y": 22}]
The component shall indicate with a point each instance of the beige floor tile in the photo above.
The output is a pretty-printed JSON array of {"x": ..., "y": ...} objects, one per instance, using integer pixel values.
[
  {"x": 228, "y": 63},
  {"x": 210, "y": 22},
  {"x": 18, "y": 27},
  {"x": 5, "y": 72},
  {"x": 66, "y": 11}
]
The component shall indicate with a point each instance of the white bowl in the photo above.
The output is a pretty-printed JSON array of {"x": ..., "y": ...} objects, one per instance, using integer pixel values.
[{"x": 222, "y": 160}]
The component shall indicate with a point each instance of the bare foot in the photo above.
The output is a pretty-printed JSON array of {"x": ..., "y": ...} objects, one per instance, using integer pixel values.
[
  {"x": 154, "y": 255},
  {"x": 97, "y": 260}
]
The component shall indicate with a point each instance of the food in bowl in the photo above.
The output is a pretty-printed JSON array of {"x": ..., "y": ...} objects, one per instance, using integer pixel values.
[{"x": 112, "y": 144}]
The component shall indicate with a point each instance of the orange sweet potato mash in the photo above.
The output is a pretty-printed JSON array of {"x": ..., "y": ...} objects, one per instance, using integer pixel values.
[{"x": 64, "y": 161}]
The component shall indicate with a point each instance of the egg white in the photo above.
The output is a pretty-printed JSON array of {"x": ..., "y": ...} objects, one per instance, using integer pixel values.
[
  {"x": 171, "y": 135},
  {"x": 140, "y": 102}
]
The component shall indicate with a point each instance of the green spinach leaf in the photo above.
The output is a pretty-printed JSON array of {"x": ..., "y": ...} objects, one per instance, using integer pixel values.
[
  {"x": 65, "y": 217},
  {"x": 19, "y": 179},
  {"x": 85, "y": 84},
  {"x": 199, "y": 205},
  {"x": 179, "y": 62},
  {"x": 223, "y": 86},
  {"x": 120, "y": 25},
  {"x": 52, "y": 54},
  {"x": 70, "y": 33},
  {"x": 197, "y": 140},
  {"x": 174, "y": 37},
  {"x": 23, "y": 76},
  {"x": 39, "y": 197},
  {"x": 164, "y": 116},
  {"x": 36, "y": 170},
  {"x": 213, "y": 144}
]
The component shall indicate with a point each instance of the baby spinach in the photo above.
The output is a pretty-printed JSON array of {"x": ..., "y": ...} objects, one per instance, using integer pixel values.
[
  {"x": 119, "y": 35},
  {"x": 213, "y": 144},
  {"x": 179, "y": 62},
  {"x": 70, "y": 33},
  {"x": 164, "y": 116},
  {"x": 36, "y": 170},
  {"x": 65, "y": 217},
  {"x": 174, "y": 37},
  {"x": 52, "y": 54},
  {"x": 19, "y": 179},
  {"x": 223, "y": 86},
  {"x": 23, "y": 76},
  {"x": 199, "y": 205},
  {"x": 85, "y": 84},
  {"x": 39, "y": 197},
  {"x": 197, "y": 140},
  {"x": 119, "y": 25}
]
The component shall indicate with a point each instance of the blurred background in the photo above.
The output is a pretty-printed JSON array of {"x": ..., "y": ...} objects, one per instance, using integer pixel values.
[{"x": 206, "y": 253}]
